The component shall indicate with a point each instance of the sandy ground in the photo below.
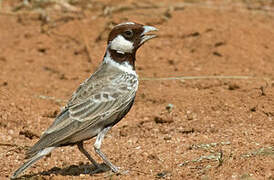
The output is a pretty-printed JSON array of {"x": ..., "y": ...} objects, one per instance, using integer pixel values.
[{"x": 213, "y": 121}]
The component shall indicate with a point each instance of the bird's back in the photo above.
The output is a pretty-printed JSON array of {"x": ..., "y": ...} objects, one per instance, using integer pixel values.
[{"x": 101, "y": 101}]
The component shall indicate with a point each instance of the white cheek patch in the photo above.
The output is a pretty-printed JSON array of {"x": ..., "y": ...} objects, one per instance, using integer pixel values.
[{"x": 121, "y": 45}]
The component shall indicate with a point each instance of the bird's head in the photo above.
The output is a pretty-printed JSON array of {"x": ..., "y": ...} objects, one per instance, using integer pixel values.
[{"x": 125, "y": 39}]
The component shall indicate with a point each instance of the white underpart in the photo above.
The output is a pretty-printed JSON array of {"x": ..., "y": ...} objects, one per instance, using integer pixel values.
[
  {"x": 125, "y": 66},
  {"x": 121, "y": 45}
]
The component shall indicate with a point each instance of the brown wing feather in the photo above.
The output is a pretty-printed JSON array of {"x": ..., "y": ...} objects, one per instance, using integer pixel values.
[{"x": 99, "y": 101}]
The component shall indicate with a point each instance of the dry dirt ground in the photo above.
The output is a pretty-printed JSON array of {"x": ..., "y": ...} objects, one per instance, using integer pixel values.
[{"x": 205, "y": 105}]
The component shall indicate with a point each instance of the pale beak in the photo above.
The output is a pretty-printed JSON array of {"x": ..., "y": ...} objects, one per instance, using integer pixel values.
[{"x": 145, "y": 37}]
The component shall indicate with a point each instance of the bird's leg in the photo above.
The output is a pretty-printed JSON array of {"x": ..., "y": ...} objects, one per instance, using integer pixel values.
[
  {"x": 97, "y": 146},
  {"x": 82, "y": 150}
]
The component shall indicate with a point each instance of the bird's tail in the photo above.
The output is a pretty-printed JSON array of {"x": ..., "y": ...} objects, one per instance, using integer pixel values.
[{"x": 31, "y": 161}]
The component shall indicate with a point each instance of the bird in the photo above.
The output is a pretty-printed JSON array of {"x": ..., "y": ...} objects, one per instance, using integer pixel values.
[{"x": 100, "y": 102}]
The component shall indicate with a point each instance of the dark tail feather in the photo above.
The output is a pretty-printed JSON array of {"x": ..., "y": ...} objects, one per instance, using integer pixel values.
[{"x": 31, "y": 161}]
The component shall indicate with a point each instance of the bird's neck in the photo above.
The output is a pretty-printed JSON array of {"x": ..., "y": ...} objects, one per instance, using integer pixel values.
[
  {"x": 125, "y": 62},
  {"x": 122, "y": 57}
]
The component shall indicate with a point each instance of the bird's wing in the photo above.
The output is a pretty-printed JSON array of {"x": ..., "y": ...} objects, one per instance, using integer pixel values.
[{"x": 99, "y": 100}]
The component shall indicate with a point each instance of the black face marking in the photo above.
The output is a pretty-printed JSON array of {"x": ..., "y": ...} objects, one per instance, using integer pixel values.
[{"x": 128, "y": 34}]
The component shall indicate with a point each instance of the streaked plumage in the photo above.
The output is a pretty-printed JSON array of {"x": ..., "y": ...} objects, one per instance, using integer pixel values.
[{"x": 99, "y": 103}]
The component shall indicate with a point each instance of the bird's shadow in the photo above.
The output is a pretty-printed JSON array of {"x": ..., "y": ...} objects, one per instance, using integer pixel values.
[{"x": 73, "y": 170}]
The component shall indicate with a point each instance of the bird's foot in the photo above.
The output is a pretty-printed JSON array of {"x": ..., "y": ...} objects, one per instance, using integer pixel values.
[
  {"x": 118, "y": 171},
  {"x": 99, "y": 168}
]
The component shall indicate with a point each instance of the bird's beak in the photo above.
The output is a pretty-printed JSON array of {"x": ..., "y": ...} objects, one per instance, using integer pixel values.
[{"x": 145, "y": 37}]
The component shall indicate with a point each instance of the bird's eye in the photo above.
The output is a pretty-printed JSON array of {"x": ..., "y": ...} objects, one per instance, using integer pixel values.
[{"x": 128, "y": 33}]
